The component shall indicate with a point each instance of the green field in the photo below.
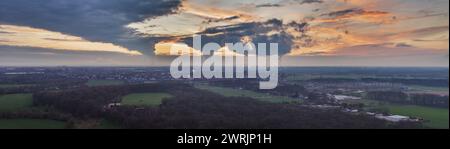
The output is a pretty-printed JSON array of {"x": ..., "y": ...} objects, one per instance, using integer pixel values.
[
  {"x": 426, "y": 89},
  {"x": 14, "y": 85},
  {"x": 230, "y": 92},
  {"x": 12, "y": 102},
  {"x": 437, "y": 117},
  {"x": 304, "y": 77},
  {"x": 145, "y": 99},
  {"x": 31, "y": 124},
  {"x": 434, "y": 117},
  {"x": 93, "y": 83}
]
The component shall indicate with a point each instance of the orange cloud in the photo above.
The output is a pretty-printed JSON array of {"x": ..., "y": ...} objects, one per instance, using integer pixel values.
[
  {"x": 324, "y": 41},
  {"x": 22, "y": 36},
  {"x": 358, "y": 15},
  {"x": 225, "y": 51},
  {"x": 214, "y": 12},
  {"x": 330, "y": 41},
  {"x": 164, "y": 49},
  {"x": 386, "y": 50},
  {"x": 366, "y": 4},
  {"x": 431, "y": 37},
  {"x": 191, "y": 18},
  {"x": 350, "y": 23}
]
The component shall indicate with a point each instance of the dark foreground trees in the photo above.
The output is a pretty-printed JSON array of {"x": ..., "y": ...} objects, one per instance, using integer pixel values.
[
  {"x": 198, "y": 109},
  {"x": 240, "y": 113}
]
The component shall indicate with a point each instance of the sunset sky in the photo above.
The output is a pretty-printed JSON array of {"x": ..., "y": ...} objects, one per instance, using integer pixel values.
[{"x": 139, "y": 32}]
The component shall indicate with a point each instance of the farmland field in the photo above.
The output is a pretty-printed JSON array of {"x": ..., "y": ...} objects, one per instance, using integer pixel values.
[
  {"x": 31, "y": 124},
  {"x": 304, "y": 77},
  {"x": 437, "y": 117},
  {"x": 145, "y": 99},
  {"x": 434, "y": 117},
  {"x": 93, "y": 83},
  {"x": 13, "y": 102},
  {"x": 14, "y": 85},
  {"x": 230, "y": 92},
  {"x": 432, "y": 90}
]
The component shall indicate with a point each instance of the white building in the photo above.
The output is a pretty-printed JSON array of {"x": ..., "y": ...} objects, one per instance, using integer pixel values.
[
  {"x": 393, "y": 118},
  {"x": 344, "y": 97}
]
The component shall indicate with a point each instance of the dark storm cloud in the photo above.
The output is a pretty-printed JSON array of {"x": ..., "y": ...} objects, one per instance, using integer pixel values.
[
  {"x": 96, "y": 20},
  {"x": 403, "y": 45},
  {"x": 311, "y": 1},
  {"x": 343, "y": 12},
  {"x": 297, "y": 1},
  {"x": 224, "y": 19},
  {"x": 351, "y": 12},
  {"x": 268, "y": 5},
  {"x": 258, "y": 31}
]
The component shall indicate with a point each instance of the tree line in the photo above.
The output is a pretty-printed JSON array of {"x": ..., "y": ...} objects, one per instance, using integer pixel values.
[
  {"x": 431, "y": 100},
  {"x": 414, "y": 81}
]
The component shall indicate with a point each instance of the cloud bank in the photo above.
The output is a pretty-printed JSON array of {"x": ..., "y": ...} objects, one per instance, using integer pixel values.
[{"x": 312, "y": 28}]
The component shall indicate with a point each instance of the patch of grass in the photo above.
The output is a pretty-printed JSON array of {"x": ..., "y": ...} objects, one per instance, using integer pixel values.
[
  {"x": 93, "y": 83},
  {"x": 304, "y": 77},
  {"x": 367, "y": 103},
  {"x": 145, "y": 99},
  {"x": 230, "y": 92},
  {"x": 427, "y": 89},
  {"x": 13, "y": 102},
  {"x": 435, "y": 117},
  {"x": 14, "y": 85},
  {"x": 31, "y": 124}
]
